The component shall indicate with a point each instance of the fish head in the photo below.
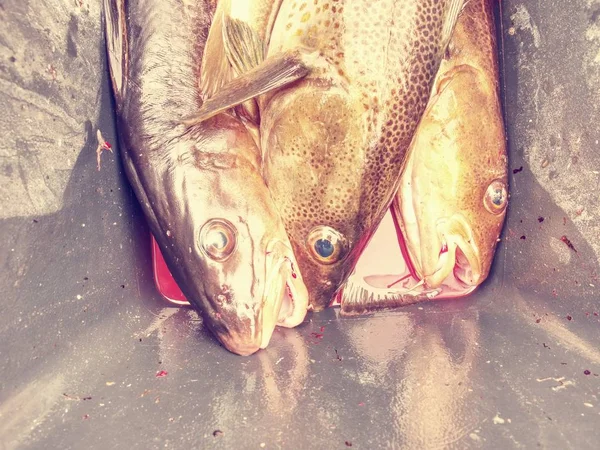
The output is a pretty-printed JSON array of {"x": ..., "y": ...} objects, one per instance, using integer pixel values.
[
  {"x": 311, "y": 136},
  {"x": 453, "y": 195},
  {"x": 227, "y": 247}
]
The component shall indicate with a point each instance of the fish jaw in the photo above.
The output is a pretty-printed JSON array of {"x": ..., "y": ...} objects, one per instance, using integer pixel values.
[
  {"x": 457, "y": 256},
  {"x": 285, "y": 299}
]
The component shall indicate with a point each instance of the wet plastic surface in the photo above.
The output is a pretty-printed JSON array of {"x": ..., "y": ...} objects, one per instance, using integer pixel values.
[{"x": 84, "y": 334}]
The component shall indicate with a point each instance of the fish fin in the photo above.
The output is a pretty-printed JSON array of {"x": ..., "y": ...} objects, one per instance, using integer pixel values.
[
  {"x": 243, "y": 46},
  {"x": 359, "y": 298},
  {"x": 215, "y": 69},
  {"x": 455, "y": 9},
  {"x": 275, "y": 72},
  {"x": 116, "y": 45}
]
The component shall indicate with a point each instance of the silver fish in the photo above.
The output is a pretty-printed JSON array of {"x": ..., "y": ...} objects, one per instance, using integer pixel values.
[{"x": 200, "y": 188}]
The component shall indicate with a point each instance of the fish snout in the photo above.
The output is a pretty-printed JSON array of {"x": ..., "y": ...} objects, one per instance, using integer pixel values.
[
  {"x": 458, "y": 256},
  {"x": 235, "y": 324},
  {"x": 285, "y": 299},
  {"x": 239, "y": 344}
]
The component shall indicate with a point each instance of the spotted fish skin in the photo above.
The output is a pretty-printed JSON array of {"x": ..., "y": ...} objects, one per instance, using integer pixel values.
[
  {"x": 451, "y": 204},
  {"x": 340, "y": 90},
  {"x": 458, "y": 163},
  {"x": 335, "y": 141}
]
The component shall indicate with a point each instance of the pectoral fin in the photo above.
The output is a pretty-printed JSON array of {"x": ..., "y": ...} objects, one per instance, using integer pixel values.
[
  {"x": 215, "y": 70},
  {"x": 244, "y": 48},
  {"x": 455, "y": 9},
  {"x": 275, "y": 72}
]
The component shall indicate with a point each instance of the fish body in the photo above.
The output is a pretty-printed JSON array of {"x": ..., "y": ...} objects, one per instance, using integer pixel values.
[
  {"x": 200, "y": 188},
  {"x": 452, "y": 200},
  {"x": 335, "y": 132}
]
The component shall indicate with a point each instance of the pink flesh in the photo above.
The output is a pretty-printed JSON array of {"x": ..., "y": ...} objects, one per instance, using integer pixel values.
[{"x": 384, "y": 263}]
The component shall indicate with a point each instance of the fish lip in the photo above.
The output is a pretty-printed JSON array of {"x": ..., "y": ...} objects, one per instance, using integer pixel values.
[
  {"x": 283, "y": 283},
  {"x": 453, "y": 247},
  {"x": 239, "y": 346},
  {"x": 298, "y": 297},
  {"x": 473, "y": 266}
]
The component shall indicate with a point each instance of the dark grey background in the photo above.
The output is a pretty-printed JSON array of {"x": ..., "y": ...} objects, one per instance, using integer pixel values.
[{"x": 83, "y": 331}]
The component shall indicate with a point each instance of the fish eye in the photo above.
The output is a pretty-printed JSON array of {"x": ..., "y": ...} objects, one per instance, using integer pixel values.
[
  {"x": 326, "y": 245},
  {"x": 495, "y": 199},
  {"x": 218, "y": 239}
]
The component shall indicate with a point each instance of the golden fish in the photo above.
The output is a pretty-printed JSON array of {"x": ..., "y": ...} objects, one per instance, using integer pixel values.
[
  {"x": 452, "y": 201},
  {"x": 340, "y": 87}
]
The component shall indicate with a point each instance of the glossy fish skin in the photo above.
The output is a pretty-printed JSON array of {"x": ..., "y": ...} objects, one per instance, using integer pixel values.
[
  {"x": 334, "y": 141},
  {"x": 457, "y": 166},
  {"x": 200, "y": 188}
]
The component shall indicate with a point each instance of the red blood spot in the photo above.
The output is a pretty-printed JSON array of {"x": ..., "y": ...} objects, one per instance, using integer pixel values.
[
  {"x": 554, "y": 292},
  {"x": 538, "y": 320},
  {"x": 587, "y": 372},
  {"x": 569, "y": 318},
  {"x": 294, "y": 275},
  {"x": 289, "y": 291},
  {"x": 402, "y": 278},
  {"x": 444, "y": 248},
  {"x": 322, "y": 329},
  {"x": 361, "y": 404},
  {"x": 317, "y": 335},
  {"x": 518, "y": 170},
  {"x": 348, "y": 444},
  {"x": 568, "y": 243},
  {"x": 596, "y": 314},
  {"x": 107, "y": 146},
  {"x": 162, "y": 373}
]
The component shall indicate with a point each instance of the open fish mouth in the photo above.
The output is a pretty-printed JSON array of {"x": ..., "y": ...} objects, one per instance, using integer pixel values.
[
  {"x": 458, "y": 266},
  {"x": 285, "y": 300},
  {"x": 387, "y": 277}
]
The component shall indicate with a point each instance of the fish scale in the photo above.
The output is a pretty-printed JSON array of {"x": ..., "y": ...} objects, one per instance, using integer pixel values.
[
  {"x": 456, "y": 166},
  {"x": 334, "y": 138}
]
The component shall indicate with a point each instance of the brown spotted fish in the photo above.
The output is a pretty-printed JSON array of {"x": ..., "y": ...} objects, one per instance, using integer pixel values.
[
  {"x": 452, "y": 201},
  {"x": 340, "y": 87},
  {"x": 200, "y": 188}
]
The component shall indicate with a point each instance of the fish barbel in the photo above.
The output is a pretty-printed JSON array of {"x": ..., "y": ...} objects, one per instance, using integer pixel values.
[
  {"x": 200, "y": 188},
  {"x": 340, "y": 87}
]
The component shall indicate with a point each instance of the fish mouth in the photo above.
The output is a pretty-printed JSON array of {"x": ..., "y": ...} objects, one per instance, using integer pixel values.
[
  {"x": 285, "y": 299},
  {"x": 458, "y": 263}
]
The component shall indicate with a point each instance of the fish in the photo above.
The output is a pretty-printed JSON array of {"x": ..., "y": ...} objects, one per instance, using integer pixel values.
[
  {"x": 200, "y": 187},
  {"x": 451, "y": 205},
  {"x": 339, "y": 86}
]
